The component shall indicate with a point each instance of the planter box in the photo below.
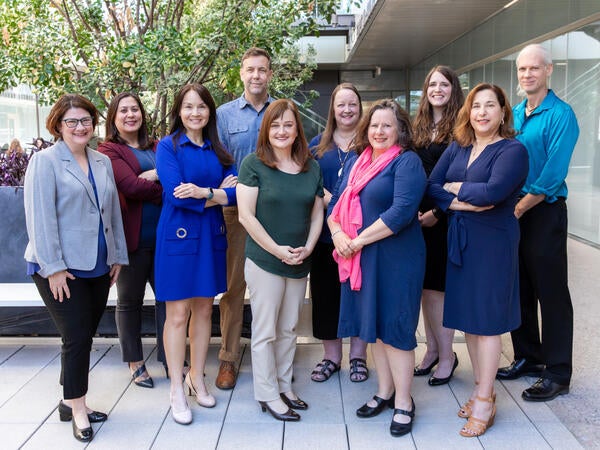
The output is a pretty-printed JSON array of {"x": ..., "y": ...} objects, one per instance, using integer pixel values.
[{"x": 13, "y": 236}]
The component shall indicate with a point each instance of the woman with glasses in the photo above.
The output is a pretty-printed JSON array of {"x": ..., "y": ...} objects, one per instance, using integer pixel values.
[{"x": 76, "y": 245}]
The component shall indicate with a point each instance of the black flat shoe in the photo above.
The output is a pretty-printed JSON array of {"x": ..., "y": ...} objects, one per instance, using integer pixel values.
[
  {"x": 82, "y": 434},
  {"x": 367, "y": 411},
  {"x": 294, "y": 404},
  {"x": 433, "y": 381},
  {"x": 400, "y": 429},
  {"x": 418, "y": 372},
  {"x": 288, "y": 416},
  {"x": 544, "y": 390},
  {"x": 519, "y": 368},
  {"x": 66, "y": 413},
  {"x": 145, "y": 382}
]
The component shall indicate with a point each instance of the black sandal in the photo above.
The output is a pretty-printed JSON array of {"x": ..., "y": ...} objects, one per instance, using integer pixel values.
[
  {"x": 142, "y": 382},
  {"x": 359, "y": 371},
  {"x": 324, "y": 370}
]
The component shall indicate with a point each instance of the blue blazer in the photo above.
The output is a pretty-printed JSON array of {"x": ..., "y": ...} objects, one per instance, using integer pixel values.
[{"x": 62, "y": 215}]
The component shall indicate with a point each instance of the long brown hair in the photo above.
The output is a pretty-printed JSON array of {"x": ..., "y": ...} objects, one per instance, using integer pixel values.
[
  {"x": 326, "y": 142},
  {"x": 264, "y": 151},
  {"x": 423, "y": 123},
  {"x": 464, "y": 133},
  {"x": 112, "y": 133},
  {"x": 209, "y": 131},
  {"x": 402, "y": 125}
]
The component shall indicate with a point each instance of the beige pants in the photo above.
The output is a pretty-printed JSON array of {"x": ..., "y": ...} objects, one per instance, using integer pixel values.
[
  {"x": 231, "y": 305},
  {"x": 275, "y": 303}
]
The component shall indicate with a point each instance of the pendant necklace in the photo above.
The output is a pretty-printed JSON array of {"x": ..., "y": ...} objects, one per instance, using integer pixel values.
[{"x": 342, "y": 161}]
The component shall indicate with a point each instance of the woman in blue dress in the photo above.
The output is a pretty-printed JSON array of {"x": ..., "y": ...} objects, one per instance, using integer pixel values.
[
  {"x": 197, "y": 176},
  {"x": 380, "y": 252},
  {"x": 477, "y": 181}
]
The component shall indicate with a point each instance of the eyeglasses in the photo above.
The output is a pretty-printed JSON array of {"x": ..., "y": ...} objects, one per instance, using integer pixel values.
[{"x": 72, "y": 123}]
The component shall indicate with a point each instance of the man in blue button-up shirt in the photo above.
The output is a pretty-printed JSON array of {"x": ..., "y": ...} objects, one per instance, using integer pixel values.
[
  {"x": 239, "y": 122},
  {"x": 548, "y": 128}
]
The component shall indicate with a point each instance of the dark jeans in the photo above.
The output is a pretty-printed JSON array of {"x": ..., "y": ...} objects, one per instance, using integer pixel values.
[
  {"x": 76, "y": 319},
  {"x": 543, "y": 278},
  {"x": 131, "y": 286}
]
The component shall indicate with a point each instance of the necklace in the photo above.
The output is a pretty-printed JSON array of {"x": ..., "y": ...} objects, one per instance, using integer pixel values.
[
  {"x": 530, "y": 108},
  {"x": 342, "y": 161}
]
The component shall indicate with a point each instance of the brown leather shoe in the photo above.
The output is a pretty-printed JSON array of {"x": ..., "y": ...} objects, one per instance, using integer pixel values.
[{"x": 227, "y": 375}]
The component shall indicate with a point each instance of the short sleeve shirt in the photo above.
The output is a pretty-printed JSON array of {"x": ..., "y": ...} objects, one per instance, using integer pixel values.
[{"x": 283, "y": 207}]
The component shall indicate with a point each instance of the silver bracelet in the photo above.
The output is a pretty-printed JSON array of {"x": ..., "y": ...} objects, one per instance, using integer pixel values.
[{"x": 335, "y": 232}]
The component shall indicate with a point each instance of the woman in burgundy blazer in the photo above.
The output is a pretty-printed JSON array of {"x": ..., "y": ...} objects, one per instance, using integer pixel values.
[{"x": 132, "y": 155}]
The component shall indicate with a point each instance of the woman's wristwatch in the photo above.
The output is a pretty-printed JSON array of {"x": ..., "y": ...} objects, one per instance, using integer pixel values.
[{"x": 211, "y": 194}]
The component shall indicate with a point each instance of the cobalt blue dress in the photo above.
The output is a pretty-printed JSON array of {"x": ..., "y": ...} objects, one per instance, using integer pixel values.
[
  {"x": 482, "y": 278},
  {"x": 190, "y": 238},
  {"x": 387, "y": 306}
]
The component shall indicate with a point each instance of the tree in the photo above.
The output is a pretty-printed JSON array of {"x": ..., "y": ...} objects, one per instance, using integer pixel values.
[{"x": 101, "y": 47}]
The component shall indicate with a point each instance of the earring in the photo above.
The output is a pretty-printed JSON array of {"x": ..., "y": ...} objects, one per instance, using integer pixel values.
[{"x": 502, "y": 121}]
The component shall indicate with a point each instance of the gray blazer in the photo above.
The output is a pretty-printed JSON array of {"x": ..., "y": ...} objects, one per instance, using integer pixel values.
[{"x": 61, "y": 212}]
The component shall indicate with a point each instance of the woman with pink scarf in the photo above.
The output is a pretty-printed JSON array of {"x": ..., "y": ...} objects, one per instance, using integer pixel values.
[{"x": 380, "y": 252}]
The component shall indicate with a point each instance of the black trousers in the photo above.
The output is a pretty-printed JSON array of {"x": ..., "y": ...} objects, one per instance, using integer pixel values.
[
  {"x": 325, "y": 292},
  {"x": 131, "y": 286},
  {"x": 543, "y": 279},
  {"x": 76, "y": 319}
]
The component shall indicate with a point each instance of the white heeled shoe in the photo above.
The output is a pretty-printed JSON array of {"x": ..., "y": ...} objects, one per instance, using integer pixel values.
[
  {"x": 183, "y": 417},
  {"x": 207, "y": 401}
]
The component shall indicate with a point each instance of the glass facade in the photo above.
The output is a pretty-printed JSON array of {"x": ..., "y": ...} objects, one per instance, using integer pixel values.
[{"x": 575, "y": 79}]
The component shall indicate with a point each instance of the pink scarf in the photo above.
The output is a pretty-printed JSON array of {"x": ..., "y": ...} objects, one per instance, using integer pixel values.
[{"x": 348, "y": 211}]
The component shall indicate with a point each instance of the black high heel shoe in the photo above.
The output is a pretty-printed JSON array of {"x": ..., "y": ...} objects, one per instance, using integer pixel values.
[
  {"x": 371, "y": 411},
  {"x": 289, "y": 416},
  {"x": 144, "y": 382},
  {"x": 419, "y": 372},
  {"x": 66, "y": 413},
  {"x": 294, "y": 404},
  {"x": 400, "y": 429},
  {"x": 433, "y": 381},
  {"x": 82, "y": 434}
]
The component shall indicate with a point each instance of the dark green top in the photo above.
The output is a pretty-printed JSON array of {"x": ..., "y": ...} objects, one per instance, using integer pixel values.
[{"x": 283, "y": 208}]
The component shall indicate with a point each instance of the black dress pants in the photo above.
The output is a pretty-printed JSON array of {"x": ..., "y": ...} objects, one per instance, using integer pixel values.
[
  {"x": 76, "y": 319},
  {"x": 131, "y": 287},
  {"x": 325, "y": 292},
  {"x": 543, "y": 279}
]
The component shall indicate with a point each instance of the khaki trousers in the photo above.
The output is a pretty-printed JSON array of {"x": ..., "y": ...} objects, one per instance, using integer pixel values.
[
  {"x": 275, "y": 303},
  {"x": 231, "y": 305}
]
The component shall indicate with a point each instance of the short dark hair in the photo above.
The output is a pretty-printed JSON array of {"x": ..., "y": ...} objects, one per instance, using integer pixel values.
[
  {"x": 62, "y": 105},
  {"x": 209, "y": 131},
  {"x": 112, "y": 133},
  {"x": 255, "y": 51},
  {"x": 402, "y": 125}
]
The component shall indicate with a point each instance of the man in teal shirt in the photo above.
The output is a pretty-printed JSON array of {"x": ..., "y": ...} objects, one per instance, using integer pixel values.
[
  {"x": 548, "y": 128},
  {"x": 238, "y": 123}
]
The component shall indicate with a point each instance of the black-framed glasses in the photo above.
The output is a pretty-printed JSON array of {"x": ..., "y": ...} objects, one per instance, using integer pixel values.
[{"x": 84, "y": 121}]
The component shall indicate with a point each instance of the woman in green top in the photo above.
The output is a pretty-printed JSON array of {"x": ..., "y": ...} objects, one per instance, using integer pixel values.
[{"x": 279, "y": 195}]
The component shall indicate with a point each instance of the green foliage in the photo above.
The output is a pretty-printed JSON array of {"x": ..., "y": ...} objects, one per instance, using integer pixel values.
[{"x": 101, "y": 47}]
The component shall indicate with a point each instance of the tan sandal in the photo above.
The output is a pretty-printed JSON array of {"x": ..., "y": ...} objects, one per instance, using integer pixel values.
[
  {"x": 466, "y": 410},
  {"x": 476, "y": 427}
]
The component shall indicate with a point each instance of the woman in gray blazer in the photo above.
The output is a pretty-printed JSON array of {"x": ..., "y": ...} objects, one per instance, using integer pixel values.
[{"x": 76, "y": 244}]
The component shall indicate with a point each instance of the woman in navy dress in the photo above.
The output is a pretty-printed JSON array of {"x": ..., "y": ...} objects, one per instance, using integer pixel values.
[
  {"x": 197, "y": 175},
  {"x": 381, "y": 254},
  {"x": 433, "y": 124},
  {"x": 331, "y": 150},
  {"x": 477, "y": 181}
]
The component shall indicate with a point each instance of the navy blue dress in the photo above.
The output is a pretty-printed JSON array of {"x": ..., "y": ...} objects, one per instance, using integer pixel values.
[
  {"x": 482, "y": 278},
  {"x": 190, "y": 238},
  {"x": 387, "y": 306}
]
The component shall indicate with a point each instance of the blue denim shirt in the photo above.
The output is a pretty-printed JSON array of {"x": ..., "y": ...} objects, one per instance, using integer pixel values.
[
  {"x": 549, "y": 134},
  {"x": 238, "y": 124}
]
